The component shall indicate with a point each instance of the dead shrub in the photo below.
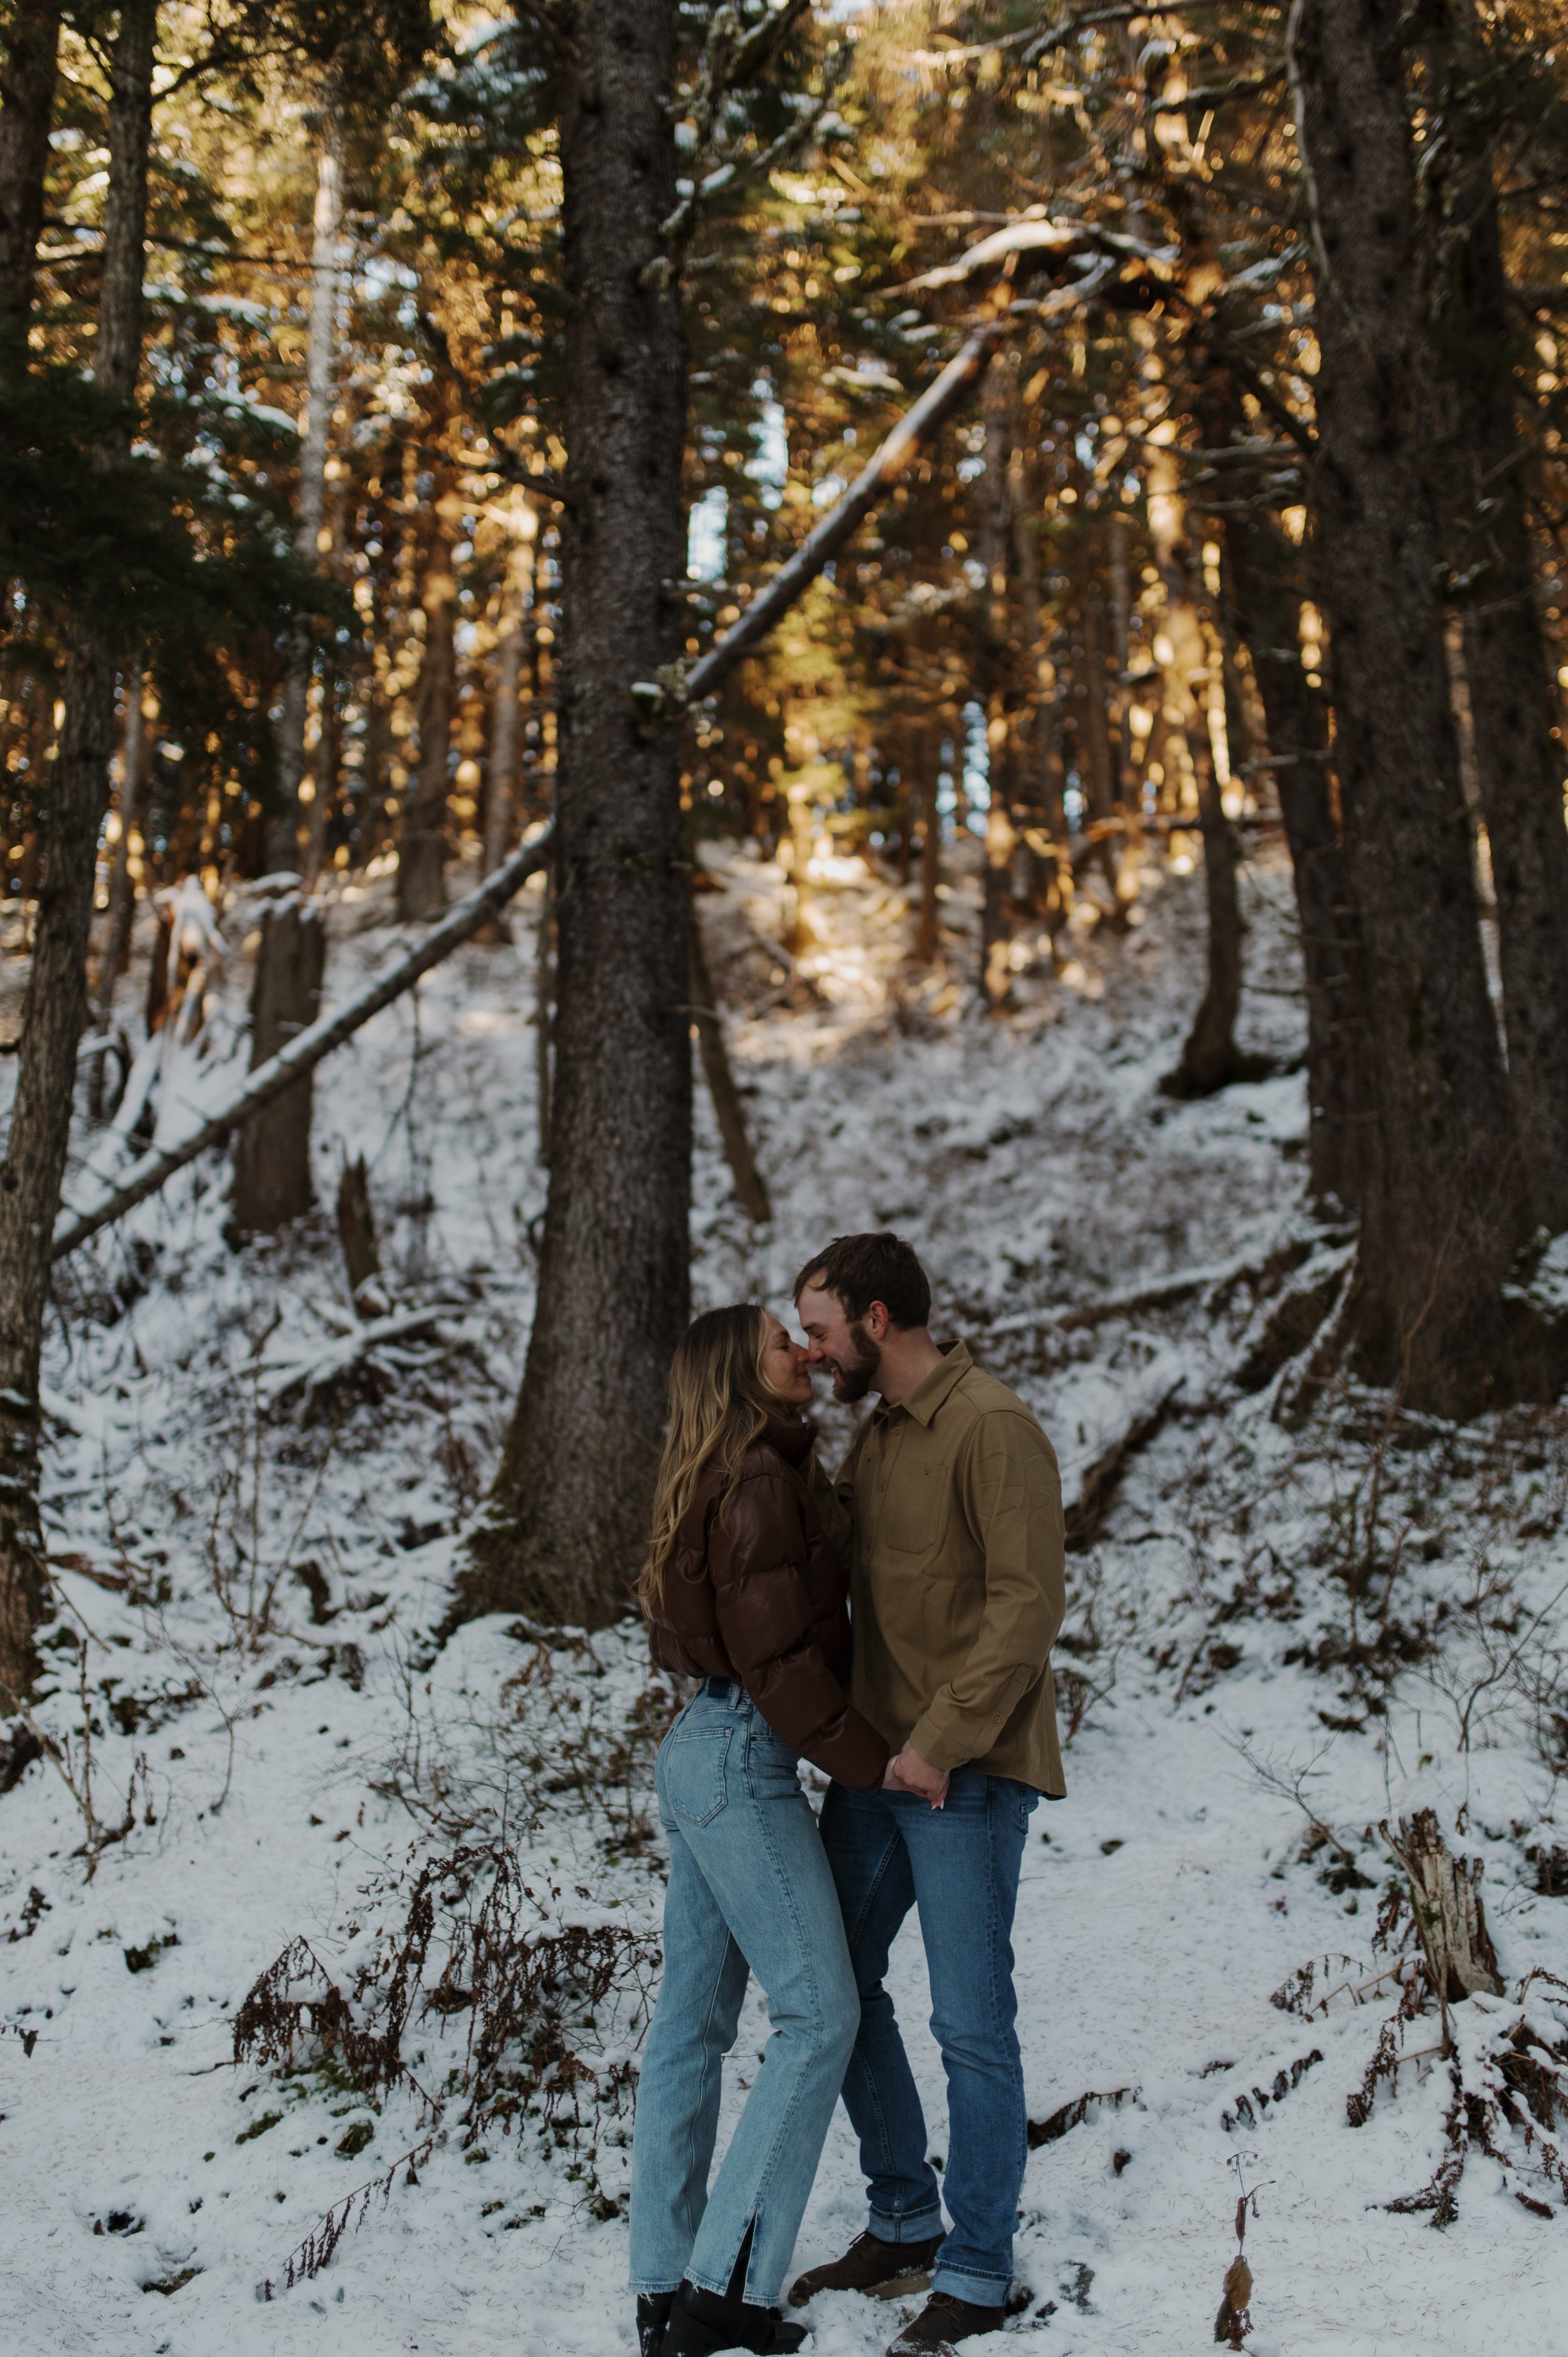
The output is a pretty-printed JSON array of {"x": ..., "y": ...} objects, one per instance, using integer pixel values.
[{"x": 532, "y": 1982}]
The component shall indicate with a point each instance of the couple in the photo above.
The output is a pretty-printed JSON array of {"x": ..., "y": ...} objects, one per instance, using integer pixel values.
[{"x": 937, "y": 1729}]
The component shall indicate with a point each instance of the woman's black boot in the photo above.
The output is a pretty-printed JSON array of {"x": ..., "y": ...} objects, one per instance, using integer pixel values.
[
  {"x": 702, "y": 2322},
  {"x": 652, "y": 2315}
]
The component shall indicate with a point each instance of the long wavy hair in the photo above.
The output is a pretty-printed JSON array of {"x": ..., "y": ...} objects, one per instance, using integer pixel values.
[{"x": 720, "y": 1402}]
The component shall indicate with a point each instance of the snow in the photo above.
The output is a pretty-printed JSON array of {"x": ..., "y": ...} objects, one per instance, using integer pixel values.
[{"x": 254, "y": 1504}]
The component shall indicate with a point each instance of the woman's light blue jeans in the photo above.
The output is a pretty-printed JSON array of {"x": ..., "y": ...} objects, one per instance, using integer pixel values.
[{"x": 750, "y": 1886}]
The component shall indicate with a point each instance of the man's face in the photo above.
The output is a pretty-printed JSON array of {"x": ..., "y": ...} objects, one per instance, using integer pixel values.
[{"x": 849, "y": 1348}]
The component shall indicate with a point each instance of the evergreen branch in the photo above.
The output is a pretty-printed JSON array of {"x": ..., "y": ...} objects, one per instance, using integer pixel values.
[{"x": 676, "y": 231}]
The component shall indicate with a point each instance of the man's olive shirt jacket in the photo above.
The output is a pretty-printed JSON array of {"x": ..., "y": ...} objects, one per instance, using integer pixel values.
[{"x": 958, "y": 1583}]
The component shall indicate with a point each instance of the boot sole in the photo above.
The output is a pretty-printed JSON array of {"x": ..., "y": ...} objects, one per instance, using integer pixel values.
[{"x": 903, "y": 2287}]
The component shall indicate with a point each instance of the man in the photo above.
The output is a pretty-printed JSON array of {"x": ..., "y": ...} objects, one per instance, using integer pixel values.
[{"x": 957, "y": 1591}]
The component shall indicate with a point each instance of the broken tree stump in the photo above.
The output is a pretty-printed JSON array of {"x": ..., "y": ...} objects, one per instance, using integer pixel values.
[
  {"x": 357, "y": 1226},
  {"x": 1445, "y": 1895},
  {"x": 272, "y": 1151}
]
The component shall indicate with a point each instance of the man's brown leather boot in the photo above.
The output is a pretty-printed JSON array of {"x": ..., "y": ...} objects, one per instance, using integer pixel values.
[
  {"x": 869, "y": 2264},
  {"x": 942, "y": 2322}
]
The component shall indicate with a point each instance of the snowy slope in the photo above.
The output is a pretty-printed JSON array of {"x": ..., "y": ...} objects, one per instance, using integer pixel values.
[{"x": 263, "y": 1525}]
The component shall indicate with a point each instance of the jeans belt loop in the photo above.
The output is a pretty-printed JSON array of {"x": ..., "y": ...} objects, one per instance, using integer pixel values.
[{"x": 718, "y": 1689}]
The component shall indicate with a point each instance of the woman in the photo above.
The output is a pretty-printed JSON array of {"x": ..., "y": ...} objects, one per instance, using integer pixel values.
[{"x": 743, "y": 1589}]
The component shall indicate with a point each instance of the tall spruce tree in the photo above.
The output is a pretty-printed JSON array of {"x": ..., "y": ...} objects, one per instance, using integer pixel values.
[{"x": 1443, "y": 1193}]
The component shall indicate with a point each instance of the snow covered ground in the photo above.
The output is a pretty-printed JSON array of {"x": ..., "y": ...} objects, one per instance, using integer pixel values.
[{"x": 1275, "y": 1627}]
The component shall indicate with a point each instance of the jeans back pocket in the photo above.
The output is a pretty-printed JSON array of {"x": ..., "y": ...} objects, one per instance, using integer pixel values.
[{"x": 692, "y": 1772}]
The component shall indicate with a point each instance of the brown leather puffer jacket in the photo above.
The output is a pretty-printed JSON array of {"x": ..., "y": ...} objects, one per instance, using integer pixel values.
[{"x": 757, "y": 1592}]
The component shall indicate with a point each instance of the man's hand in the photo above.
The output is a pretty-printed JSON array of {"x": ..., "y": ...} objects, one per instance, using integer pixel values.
[{"x": 909, "y": 1774}]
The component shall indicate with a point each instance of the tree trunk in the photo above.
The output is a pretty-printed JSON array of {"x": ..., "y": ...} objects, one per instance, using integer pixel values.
[
  {"x": 517, "y": 607},
  {"x": 1446, "y": 1898},
  {"x": 1442, "y": 1199},
  {"x": 272, "y": 1151},
  {"x": 55, "y": 1005},
  {"x": 422, "y": 852},
  {"x": 1518, "y": 763},
  {"x": 750, "y": 1187},
  {"x": 326, "y": 267},
  {"x": 568, "y": 1521},
  {"x": 1000, "y": 395},
  {"x": 927, "y": 933},
  {"x": 27, "y": 81},
  {"x": 1209, "y": 1056},
  {"x": 1261, "y": 570},
  {"x": 136, "y": 757},
  {"x": 544, "y": 1012},
  {"x": 135, "y": 750},
  {"x": 357, "y": 1226}
]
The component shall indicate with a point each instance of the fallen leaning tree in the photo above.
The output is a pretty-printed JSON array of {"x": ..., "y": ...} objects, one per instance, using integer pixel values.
[{"x": 308, "y": 1047}]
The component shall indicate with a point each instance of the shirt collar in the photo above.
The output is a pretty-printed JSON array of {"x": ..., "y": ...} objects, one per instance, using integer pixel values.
[{"x": 926, "y": 1397}]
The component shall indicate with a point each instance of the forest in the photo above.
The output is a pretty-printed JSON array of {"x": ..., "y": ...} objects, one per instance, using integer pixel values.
[{"x": 635, "y": 634}]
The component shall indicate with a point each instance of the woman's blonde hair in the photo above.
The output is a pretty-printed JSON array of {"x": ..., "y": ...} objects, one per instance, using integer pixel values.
[{"x": 720, "y": 1403}]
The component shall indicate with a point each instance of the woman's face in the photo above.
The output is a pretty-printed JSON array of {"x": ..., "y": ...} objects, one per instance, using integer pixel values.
[{"x": 785, "y": 1367}]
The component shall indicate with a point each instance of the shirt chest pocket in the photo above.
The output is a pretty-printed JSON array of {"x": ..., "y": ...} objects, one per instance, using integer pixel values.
[{"x": 914, "y": 1511}]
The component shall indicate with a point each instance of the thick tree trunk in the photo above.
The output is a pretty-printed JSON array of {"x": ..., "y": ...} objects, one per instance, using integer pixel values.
[
  {"x": 325, "y": 268},
  {"x": 422, "y": 854},
  {"x": 568, "y": 1523},
  {"x": 56, "y": 999},
  {"x": 1261, "y": 577},
  {"x": 28, "y": 79},
  {"x": 272, "y": 1150},
  {"x": 1442, "y": 1198},
  {"x": 1208, "y": 1057},
  {"x": 1518, "y": 763}
]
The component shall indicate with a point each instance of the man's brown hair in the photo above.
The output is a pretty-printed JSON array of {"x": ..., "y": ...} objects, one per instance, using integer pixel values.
[{"x": 864, "y": 1269}]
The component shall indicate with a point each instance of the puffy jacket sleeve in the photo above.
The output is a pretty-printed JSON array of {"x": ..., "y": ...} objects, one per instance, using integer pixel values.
[{"x": 757, "y": 1555}]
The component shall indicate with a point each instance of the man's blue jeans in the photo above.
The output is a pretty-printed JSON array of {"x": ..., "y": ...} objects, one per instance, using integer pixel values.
[
  {"x": 748, "y": 1886},
  {"x": 959, "y": 1864}
]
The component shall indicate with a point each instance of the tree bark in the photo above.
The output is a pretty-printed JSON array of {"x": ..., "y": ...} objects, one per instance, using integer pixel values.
[
  {"x": 1518, "y": 763},
  {"x": 517, "y": 607},
  {"x": 568, "y": 1520},
  {"x": 927, "y": 927},
  {"x": 357, "y": 1226},
  {"x": 1000, "y": 397},
  {"x": 1443, "y": 1204},
  {"x": 325, "y": 268},
  {"x": 135, "y": 754},
  {"x": 28, "y": 79},
  {"x": 55, "y": 1005},
  {"x": 422, "y": 854},
  {"x": 1208, "y": 1057},
  {"x": 750, "y": 1187},
  {"x": 1266, "y": 601},
  {"x": 272, "y": 1151}
]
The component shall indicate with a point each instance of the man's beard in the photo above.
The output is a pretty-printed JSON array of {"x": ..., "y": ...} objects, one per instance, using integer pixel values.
[{"x": 854, "y": 1378}]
